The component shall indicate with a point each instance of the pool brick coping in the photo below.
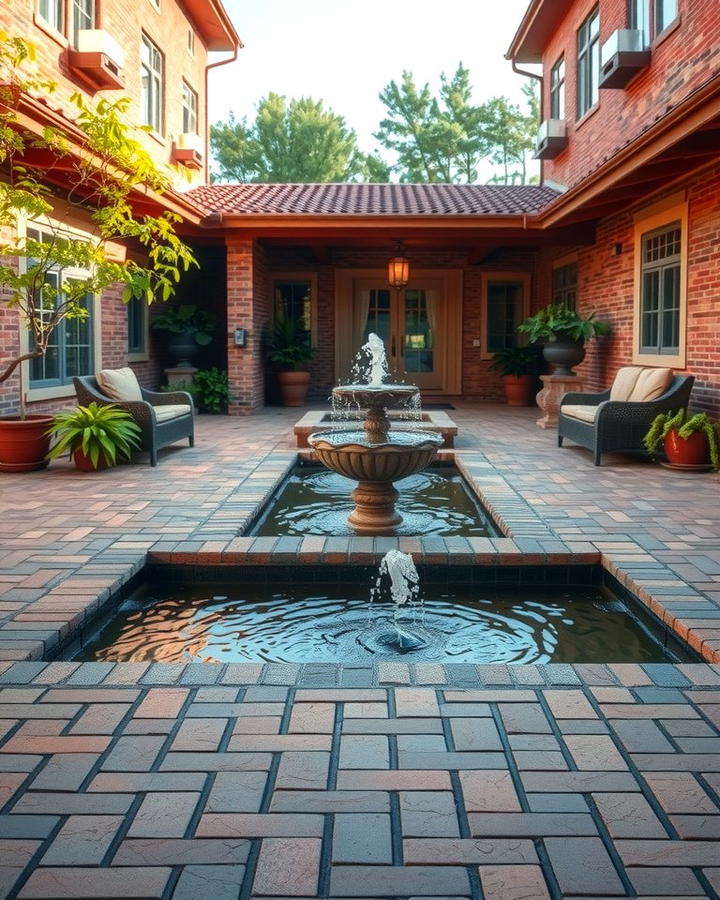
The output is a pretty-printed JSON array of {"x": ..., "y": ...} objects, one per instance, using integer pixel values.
[{"x": 67, "y": 606}]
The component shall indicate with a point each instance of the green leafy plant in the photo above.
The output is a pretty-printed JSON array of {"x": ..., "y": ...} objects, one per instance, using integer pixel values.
[
  {"x": 100, "y": 432},
  {"x": 685, "y": 426},
  {"x": 187, "y": 318},
  {"x": 559, "y": 322},
  {"x": 515, "y": 361},
  {"x": 212, "y": 390},
  {"x": 97, "y": 171},
  {"x": 289, "y": 344}
]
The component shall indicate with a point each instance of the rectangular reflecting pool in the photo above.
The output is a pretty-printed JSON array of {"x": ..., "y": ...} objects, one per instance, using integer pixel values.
[
  {"x": 321, "y": 622},
  {"x": 314, "y": 500}
]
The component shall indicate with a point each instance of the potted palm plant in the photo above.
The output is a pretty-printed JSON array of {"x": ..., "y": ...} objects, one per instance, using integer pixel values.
[
  {"x": 563, "y": 332},
  {"x": 99, "y": 173},
  {"x": 689, "y": 441},
  {"x": 96, "y": 436},
  {"x": 518, "y": 366},
  {"x": 289, "y": 346}
]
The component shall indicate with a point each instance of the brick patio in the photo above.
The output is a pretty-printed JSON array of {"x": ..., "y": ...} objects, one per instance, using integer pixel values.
[{"x": 504, "y": 782}]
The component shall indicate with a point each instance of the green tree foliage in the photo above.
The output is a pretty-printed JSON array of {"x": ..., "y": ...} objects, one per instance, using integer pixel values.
[
  {"x": 511, "y": 133},
  {"x": 98, "y": 172},
  {"x": 443, "y": 138},
  {"x": 293, "y": 142}
]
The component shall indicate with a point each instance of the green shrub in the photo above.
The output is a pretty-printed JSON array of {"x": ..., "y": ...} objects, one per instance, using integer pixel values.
[
  {"x": 685, "y": 426},
  {"x": 99, "y": 431}
]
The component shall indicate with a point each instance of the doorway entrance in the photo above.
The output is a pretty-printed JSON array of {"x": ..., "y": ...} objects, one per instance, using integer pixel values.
[{"x": 418, "y": 324}]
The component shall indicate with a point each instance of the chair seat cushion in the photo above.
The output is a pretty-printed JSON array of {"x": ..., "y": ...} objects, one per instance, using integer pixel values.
[
  {"x": 120, "y": 384},
  {"x": 583, "y": 413},
  {"x": 171, "y": 411}
]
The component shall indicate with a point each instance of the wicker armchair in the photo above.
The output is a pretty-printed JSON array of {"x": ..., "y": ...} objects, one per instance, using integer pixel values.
[
  {"x": 157, "y": 430},
  {"x": 604, "y": 425}
]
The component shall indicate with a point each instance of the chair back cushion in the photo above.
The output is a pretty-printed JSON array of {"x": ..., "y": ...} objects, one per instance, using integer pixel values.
[
  {"x": 120, "y": 384},
  {"x": 637, "y": 384},
  {"x": 651, "y": 384}
]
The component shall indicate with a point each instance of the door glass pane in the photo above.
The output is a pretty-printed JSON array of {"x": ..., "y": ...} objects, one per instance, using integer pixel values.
[
  {"x": 418, "y": 339},
  {"x": 378, "y": 316}
]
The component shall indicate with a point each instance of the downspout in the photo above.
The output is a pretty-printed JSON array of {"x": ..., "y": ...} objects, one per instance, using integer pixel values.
[
  {"x": 215, "y": 65},
  {"x": 540, "y": 104}
]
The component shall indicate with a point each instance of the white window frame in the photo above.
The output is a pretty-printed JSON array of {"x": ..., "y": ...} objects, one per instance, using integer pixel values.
[
  {"x": 60, "y": 390},
  {"x": 155, "y": 94},
  {"x": 55, "y": 19},
  {"x": 661, "y": 215},
  {"x": 73, "y": 12},
  {"x": 557, "y": 89},
  {"x": 191, "y": 109},
  {"x": 523, "y": 278},
  {"x": 587, "y": 51}
]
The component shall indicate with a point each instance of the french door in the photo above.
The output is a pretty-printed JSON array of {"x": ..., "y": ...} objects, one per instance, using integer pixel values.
[{"x": 412, "y": 324}]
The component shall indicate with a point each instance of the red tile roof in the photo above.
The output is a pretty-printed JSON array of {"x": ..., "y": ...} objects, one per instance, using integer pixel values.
[{"x": 371, "y": 199}]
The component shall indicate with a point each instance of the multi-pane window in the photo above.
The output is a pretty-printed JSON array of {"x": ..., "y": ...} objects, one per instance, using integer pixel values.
[
  {"x": 83, "y": 16},
  {"x": 588, "y": 63},
  {"x": 660, "y": 290},
  {"x": 70, "y": 348},
  {"x": 564, "y": 284},
  {"x": 52, "y": 11},
  {"x": 293, "y": 300},
  {"x": 504, "y": 313},
  {"x": 189, "y": 109},
  {"x": 652, "y": 17},
  {"x": 557, "y": 90},
  {"x": 151, "y": 74},
  {"x": 137, "y": 311}
]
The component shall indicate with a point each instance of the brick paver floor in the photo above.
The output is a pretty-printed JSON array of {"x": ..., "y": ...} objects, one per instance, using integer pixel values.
[{"x": 400, "y": 780}]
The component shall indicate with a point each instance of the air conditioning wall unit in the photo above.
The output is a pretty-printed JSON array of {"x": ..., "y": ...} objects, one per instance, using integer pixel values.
[
  {"x": 551, "y": 138},
  {"x": 622, "y": 56},
  {"x": 188, "y": 150},
  {"x": 98, "y": 59}
]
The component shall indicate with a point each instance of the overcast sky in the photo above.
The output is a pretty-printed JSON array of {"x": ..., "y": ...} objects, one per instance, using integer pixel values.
[{"x": 344, "y": 53}]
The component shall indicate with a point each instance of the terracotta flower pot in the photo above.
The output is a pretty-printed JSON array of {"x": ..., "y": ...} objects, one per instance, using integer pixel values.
[
  {"x": 692, "y": 451},
  {"x": 518, "y": 389},
  {"x": 24, "y": 444},
  {"x": 293, "y": 387},
  {"x": 84, "y": 463}
]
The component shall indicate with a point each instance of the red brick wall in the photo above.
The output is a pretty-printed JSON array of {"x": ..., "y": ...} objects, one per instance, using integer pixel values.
[
  {"x": 681, "y": 61},
  {"x": 606, "y": 284},
  {"x": 248, "y": 306},
  {"x": 125, "y": 20}
]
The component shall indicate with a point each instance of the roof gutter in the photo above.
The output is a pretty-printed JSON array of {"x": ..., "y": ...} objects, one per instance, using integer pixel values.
[{"x": 215, "y": 65}]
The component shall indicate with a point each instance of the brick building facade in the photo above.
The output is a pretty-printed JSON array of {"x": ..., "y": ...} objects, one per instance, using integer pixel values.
[
  {"x": 628, "y": 212},
  {"x": 156, "y": 53}
]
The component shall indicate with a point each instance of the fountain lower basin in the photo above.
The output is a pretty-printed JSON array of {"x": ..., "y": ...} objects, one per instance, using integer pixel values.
[{"x": 282, "y": 620}]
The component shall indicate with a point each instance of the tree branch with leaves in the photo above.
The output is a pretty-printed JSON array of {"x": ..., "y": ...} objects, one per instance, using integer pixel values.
[{"x": 98, "y": 168}]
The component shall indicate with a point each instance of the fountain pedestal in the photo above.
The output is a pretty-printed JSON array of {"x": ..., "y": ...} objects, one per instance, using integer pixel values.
[{"x": 375, "y": 457}]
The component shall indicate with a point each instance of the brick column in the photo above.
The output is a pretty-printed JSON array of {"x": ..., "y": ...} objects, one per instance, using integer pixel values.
[{"x": 247, "y": 307}]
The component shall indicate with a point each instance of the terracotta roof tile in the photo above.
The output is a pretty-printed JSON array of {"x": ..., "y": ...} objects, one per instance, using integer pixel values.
[{"x": 372, "y": 199}]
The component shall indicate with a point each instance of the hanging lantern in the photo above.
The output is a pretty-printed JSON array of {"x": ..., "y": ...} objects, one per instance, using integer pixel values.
[{"x": 399, "y": 269}]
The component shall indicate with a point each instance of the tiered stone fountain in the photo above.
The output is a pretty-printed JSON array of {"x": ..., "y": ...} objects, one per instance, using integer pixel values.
[{"x": 374, "y": 457}]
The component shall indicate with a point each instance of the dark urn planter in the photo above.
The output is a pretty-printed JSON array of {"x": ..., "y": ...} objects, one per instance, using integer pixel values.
[
  {"x": 563, "y": 354},
  {"x": 24, "y": 443},
  {"x": 183, "y": 348}
]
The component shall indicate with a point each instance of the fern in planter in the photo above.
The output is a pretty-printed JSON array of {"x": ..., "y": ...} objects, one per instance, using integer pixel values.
[
  {"x": 98, "y": 433},
  {"x": 663, "y": 424}
]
